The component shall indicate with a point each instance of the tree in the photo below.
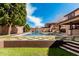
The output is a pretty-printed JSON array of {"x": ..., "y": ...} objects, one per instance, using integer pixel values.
[
  {"x": 12, "y": 14},
  {"x": 27, "y": 28}
]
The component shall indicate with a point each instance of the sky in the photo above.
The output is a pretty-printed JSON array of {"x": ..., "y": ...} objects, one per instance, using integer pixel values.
[{"x": 38, "y": 14}]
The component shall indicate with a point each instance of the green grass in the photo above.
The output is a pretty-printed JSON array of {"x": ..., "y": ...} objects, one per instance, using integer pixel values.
[
  {"x": 59, "y": 52},
  {"x": 34, "y": 52},
  {"x": 23, "y": 51}
]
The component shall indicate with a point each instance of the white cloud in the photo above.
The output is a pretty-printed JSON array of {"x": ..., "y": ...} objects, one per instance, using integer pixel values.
[
  {"x": 30, "y": 9},
  {"x": 36, "y": 20}
]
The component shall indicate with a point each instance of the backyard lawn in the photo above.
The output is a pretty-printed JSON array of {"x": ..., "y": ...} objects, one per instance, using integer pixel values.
[
  {"x": 34, "y": 52},
  {"x": 31, "y": 51}
]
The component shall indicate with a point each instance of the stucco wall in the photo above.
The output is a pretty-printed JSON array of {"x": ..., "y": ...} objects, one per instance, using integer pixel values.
[
  {"x": 4, "y": 29},
  {"x": 44, "y": 29},
  {"x": 75, "y": 32},
  {"x": 15, "y": 30},
  {"x": 25, "y": 43},
  {"x": 54, "y": 28},
  {"x": 67, "y": 30},
  {"x": 19, "y": 29},
  {"x": 0, "y": 29},
  {"x": 76, "y": 12},
  {"x": 41, "y": 29}
]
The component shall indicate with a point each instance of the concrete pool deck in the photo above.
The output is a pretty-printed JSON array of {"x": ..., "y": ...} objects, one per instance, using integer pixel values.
[{"x": 27, "y": 38}]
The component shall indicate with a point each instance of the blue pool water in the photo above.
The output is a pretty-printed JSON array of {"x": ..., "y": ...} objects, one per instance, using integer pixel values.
[{"x": 35, "y": 33}]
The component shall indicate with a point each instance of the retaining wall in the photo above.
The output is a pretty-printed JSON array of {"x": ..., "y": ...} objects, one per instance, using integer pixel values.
[{"x": 25, "y": 43}]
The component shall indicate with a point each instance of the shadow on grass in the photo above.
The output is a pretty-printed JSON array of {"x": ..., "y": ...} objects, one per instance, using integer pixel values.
[{"x": 55, "y": 50}]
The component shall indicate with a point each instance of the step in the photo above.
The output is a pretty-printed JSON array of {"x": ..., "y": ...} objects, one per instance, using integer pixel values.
[
  {"x": 74, "y": 42},
  {"x": 73, "y": 45},
  {"x": 69, "y": 50}
]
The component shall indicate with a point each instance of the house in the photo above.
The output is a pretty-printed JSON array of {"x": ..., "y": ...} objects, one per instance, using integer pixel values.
[
  {"x": 71, "y": 22},
  {"x": 32, "y": 29},
  {"x": 69, "y": 26},
  {"x": 54, "y": 27},
  {"x": 42, "y": 29}
]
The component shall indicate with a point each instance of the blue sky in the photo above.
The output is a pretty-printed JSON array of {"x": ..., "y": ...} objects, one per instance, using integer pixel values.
[{"x": 41, "y": 13}]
